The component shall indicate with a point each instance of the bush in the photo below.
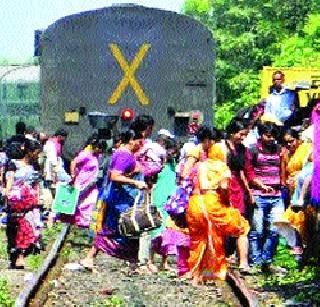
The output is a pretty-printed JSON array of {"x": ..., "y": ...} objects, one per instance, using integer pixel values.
[{"x": 5, "y": 298}]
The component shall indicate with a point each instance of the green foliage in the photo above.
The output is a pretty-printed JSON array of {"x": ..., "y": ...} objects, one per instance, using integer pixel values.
[
  {"x": 5, "y": 298},
  {"x": 3, "y": 251},
  {"x": 307, "y": 295},
  {"x": 70, "y": 254},
  {"x": 3, "y": 244},
  {"x": 303, "y": 281},
  {"x": 50, "y": 234},
  {"x": 113, "y": 301},
  {"x": 224, "y": 114},
  {"x": 34, "y": 262},
  {"x": 251, "y": 34},
  {"x": 283, "y": 258},
  {"x": 302, "y": 50},
  {"x": 198, "y": 6}
]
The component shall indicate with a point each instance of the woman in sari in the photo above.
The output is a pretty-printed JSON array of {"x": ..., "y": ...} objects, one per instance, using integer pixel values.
[
  {"x": 298, "y": 166},
  {"x": 178, "y": 202},
  {"x": 295, "y": 155},
  {"x": 239, "y": 162},
  {"x": 295, "y": 162},
  {"x": 199, "y": 152},
  {"x": 84, "y": 171},
  {"x": 312, "y": 210},
  {"x": 177, "y": 205},
  {"x": 118, "y": 196},
  {"x": 171, "y": 239},
  {"x": 210, "y": 219}
]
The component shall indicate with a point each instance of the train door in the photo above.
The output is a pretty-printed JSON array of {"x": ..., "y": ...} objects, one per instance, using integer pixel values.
[
  {"x": 187, "y": 123},
  {"x": 181, "y": 123},
  {"x": 106, "y": 125}
]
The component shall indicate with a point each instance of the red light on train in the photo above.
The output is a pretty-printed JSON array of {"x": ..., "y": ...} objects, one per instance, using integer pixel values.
[{"x": 127, "y": 114}]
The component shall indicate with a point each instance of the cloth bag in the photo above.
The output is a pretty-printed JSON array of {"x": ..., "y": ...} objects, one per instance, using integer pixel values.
[
  {"x": 66, "y": 199},
  {"x": 143, "y": 216}
]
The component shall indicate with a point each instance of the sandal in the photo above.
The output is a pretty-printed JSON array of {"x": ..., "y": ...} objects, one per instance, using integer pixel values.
[
  {"x": 87, "y": 267},
  {"x": 167, "y": 268},
  {"x": 108, "y": 291},
  {"x": 132, "y": 274},
  {"x": 152, "y": 268},
  {"x": 187, "y": 276},
  {"x": 245, "y": 271},
  {"x": 143, "y": 270},
  {"x": 19, "y": 267}
]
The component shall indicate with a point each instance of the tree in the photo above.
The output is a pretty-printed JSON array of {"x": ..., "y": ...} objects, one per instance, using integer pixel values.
[
  {"x": 302, "y": 50},
  {"x": 250, "y": 34}
]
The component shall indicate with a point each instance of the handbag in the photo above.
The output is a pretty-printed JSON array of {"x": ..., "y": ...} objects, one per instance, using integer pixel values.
[
  {"x": 141, "y": 217},
  {"x": 66, "y": 199}
]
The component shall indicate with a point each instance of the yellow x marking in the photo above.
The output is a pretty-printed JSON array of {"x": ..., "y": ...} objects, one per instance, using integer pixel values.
[{"x": 129, "y": 71}]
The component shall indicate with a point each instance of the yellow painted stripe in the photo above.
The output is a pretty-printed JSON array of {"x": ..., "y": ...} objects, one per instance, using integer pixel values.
[{"x": 129, "y": 71}]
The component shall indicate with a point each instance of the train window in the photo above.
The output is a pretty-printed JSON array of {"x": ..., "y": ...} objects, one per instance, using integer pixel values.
[
  {"x": 4, "y": 91},
  {"x": 181, "y": 126},
  {"x": 21, "y": 91}
]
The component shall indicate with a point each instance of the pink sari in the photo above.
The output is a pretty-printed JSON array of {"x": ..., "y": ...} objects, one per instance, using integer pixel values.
[{"x": 86, "y": 173}]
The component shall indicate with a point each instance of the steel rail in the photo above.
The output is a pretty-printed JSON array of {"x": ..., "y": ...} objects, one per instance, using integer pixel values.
[
  {"x": 245, "y": 296},
  {"x": 30, "y": 289}
]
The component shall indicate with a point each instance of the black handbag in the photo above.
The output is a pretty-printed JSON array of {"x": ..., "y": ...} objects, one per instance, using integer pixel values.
[{"x": 142, "y": 217}]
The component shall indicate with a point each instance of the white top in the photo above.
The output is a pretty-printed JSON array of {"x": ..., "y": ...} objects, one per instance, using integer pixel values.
[
  {"x": 186, "y": 148},
  {"x": 252, "y": 138},
  {"x": 52, "y": 161},
  {"x": 307, "y": 134}
]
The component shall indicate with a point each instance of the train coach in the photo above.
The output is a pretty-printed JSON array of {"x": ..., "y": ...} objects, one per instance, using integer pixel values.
[{"x": 101, "y": 68}]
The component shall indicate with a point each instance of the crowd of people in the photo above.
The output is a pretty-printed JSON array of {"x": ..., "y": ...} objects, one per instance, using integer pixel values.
[{"x": 223, "y": 195}]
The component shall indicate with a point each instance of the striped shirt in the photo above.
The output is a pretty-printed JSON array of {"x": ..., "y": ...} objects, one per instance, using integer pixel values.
[{"x": 267, "y": 169}]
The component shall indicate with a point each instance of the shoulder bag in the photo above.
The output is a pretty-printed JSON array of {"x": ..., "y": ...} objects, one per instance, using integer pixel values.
[{"x": 143, "y": 216}]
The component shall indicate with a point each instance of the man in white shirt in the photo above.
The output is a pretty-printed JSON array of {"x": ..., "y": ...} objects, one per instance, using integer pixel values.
[
  {"x": 53, "y": 165},
  {"x": 52, "y": 151}
]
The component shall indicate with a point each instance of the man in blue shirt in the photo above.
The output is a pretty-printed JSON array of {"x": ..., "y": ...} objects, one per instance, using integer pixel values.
[{"x": 281, "y": 103}]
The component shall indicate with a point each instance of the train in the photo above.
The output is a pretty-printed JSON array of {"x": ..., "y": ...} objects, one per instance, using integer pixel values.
[{"x": 102, "y": 68}]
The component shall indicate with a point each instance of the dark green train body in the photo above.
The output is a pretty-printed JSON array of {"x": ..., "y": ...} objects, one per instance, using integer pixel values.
[{"x": 148, "y": 60}]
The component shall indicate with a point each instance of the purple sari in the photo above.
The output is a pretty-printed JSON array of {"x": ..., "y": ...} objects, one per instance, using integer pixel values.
[{"x": 118, "y": 198}]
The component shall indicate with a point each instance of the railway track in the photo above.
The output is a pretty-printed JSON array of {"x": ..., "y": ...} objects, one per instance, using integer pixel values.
[{"x": 53, "y": 285}]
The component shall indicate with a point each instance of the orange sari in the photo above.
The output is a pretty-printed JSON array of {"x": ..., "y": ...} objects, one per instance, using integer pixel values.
[
  {"x": 294, "y": 166},
  {"x": 210, "y": 220}
]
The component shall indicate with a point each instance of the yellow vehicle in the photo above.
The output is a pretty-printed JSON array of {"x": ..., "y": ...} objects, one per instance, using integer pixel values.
[{"x": 306, "y": 81}]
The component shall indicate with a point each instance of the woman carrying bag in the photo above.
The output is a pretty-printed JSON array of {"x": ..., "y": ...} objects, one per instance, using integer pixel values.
[
  {"x": 84, "y": 173},
  {"x": 118, "y": 196}
]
